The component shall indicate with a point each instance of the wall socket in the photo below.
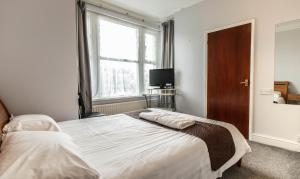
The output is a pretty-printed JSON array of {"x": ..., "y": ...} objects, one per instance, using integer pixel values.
[{"x": 266, "y": 91}]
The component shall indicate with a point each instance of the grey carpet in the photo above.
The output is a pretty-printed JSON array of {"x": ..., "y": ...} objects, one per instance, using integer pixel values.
[{"x": 266, "y": 162}]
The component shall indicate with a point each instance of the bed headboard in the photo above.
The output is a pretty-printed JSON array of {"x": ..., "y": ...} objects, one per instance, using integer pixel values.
[
  {"x": 283, "y": 87},
  {"x": 4, "y": 115}
]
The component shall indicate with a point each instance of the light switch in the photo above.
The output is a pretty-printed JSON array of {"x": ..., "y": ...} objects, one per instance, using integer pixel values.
[{"x": 266, "y": 91}]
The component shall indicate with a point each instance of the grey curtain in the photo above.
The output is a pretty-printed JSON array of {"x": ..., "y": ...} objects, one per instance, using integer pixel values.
[
  {"x": 84, "y": 87},
  {"x": 167, "y": 54},
  {"x": 168, "y": 44}
]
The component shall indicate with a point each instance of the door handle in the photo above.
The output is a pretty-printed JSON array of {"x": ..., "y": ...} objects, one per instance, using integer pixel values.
[{"x": 246, "y": 82}]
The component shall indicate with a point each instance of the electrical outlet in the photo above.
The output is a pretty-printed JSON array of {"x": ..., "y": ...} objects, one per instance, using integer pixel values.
[
  {"x": 298, "y": 138},
  {"x": 266, "y": 91}
]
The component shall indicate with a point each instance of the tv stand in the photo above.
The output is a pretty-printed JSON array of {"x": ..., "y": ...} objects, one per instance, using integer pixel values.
[{"x": 166, "y": 97}]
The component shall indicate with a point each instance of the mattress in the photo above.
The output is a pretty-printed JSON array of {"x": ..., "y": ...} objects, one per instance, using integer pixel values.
[{"x": 120, "y": 146}]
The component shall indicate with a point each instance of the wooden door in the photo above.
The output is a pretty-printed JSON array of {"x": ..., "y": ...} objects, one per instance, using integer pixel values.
[{"x": 229, "y": 54}]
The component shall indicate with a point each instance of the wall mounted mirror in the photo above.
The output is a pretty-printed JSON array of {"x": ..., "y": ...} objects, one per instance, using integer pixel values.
[{"x": 287, "y": 63}]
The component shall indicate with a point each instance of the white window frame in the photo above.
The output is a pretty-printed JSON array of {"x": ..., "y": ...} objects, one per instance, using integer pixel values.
[{"x": 142, "y": 31}]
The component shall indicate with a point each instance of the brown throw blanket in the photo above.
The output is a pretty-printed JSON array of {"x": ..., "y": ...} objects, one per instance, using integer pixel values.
[{"x": 218, "y": 139}]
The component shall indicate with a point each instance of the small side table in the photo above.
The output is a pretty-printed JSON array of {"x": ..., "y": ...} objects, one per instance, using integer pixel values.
[{"x": 164, "y": 95}]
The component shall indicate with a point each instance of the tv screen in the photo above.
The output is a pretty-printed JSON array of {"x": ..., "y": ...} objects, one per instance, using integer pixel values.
[{"x": 161, "y": 77}]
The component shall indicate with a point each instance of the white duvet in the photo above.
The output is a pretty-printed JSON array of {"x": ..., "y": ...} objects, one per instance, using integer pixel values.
[{"x": 119, "y": 146}]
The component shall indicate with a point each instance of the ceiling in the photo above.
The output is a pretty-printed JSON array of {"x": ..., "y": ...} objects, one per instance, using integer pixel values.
[{"x": 158, "y": 9}]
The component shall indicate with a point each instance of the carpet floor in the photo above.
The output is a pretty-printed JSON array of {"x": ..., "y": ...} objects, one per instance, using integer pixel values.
[{"x": 266, "y": 162}]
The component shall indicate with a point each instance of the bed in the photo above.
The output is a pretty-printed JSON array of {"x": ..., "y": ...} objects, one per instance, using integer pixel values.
[
  {"x": 122, "y": 146},
  {"x": 281, "y": 89}
]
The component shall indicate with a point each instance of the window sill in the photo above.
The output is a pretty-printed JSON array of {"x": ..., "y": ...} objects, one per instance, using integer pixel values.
[{"x": 101, "y": 101}]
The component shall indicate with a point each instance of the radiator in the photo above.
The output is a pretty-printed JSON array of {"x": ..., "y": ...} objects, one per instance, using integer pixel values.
[{"x": 116, "y": 108}]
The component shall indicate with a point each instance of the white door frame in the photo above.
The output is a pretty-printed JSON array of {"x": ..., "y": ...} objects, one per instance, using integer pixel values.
[{"x": 251, "y": 82}]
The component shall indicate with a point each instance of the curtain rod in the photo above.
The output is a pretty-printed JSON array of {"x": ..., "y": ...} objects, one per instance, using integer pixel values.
[
  {"x": 125, "y": 13},
  {"x": 143, "y": 22}
]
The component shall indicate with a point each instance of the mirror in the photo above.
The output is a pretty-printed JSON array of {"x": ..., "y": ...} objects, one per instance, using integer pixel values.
[{"x": 287, "y": 63}]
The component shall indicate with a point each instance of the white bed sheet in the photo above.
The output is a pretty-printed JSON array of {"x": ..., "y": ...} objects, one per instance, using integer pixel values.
[
  {"x": 241, "y": 145},
  {"x": 119, "y": 146}
]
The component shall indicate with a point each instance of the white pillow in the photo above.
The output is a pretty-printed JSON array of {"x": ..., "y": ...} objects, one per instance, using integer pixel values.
[
  {"x": 31, "y": 122},
  {"x": 42, "y": 155}
]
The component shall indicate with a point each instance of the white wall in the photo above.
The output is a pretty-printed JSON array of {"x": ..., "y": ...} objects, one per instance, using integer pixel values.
[
  {"x": 287, "y": 58},
  {"x": 38, "y": 62},
  {"x": 275, "y": 124}
]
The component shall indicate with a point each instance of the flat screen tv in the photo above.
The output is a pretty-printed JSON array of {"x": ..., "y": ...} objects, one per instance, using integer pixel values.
[{"x": 162, "y": 77}]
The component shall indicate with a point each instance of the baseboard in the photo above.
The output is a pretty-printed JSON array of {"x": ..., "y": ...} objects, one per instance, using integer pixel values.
[{"x": 276, "y": 142}]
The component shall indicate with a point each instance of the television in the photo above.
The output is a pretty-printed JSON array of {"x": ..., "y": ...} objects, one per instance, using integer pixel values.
[{"x": 162, "y": 77}]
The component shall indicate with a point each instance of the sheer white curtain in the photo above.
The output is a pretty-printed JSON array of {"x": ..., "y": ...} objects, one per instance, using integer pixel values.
[{"x": 121, "y": 56}]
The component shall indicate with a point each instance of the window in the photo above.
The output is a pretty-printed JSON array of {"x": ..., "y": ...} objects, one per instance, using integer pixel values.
[{"x": 121, "y": 56}]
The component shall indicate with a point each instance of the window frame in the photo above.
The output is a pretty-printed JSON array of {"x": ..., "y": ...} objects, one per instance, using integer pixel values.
[
  {"x": 158, "y": 51},
  {"x": 141, "y": 60}
]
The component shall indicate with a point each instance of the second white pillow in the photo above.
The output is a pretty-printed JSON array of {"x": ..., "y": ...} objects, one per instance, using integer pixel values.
[{"x": 31, "y": 122}]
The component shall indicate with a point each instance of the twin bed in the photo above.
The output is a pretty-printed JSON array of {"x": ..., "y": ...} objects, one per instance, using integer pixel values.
[{"x": 125, "y": 146}]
